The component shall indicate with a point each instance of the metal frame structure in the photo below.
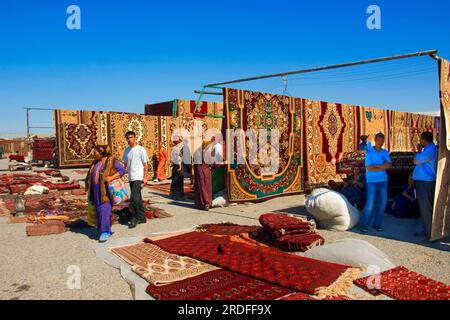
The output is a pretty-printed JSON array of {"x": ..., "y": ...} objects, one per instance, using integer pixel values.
[{"x": 283, "y": 75}]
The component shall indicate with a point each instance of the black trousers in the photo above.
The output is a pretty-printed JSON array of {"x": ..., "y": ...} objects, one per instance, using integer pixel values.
[
  {"x": 425, "y": 198},
  {"x": 137, "y": 208}
]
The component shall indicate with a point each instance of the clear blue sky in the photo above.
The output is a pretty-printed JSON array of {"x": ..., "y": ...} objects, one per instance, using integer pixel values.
[{"x": 129, "y": 53}]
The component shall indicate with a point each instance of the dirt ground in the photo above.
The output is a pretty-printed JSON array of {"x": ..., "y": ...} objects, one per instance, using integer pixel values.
[{"x": 39, "y": 267}]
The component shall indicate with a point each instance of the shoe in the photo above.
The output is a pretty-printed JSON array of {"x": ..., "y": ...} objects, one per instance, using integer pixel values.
[
  {"x": 104, "y": 237},
  {"x": 144, "y": 220},
  {"x": 207, "y": 207},
  {"x": 364, "y": 230},
  {"x": 379, "y": 229},
  {"x": 155, "y": 180},
  {"x": 133, "y": 224}
]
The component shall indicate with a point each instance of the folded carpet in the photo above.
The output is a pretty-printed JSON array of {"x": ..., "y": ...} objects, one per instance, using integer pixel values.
[
  {"x": 266, "y": 264},
  {"x": 281, "y": 224},
  {"x": 218, "y": 285},
  {"x": 402, "y": 284},
  {"x": 47, "y": 228}
]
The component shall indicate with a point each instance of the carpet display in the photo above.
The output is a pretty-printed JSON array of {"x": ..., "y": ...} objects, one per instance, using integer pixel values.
[
  {"x": 277, "y": 169},
  {"x": 77, "y": 133},
  {"x": 445, "y": 96},
  {"x": 145, "y": 127},
  {"x": 331, "y": 131},
  {"x": 441, "y": 219},
  {"x": 402, "y": 284},
  {"x": 189, "y": 125},
  {"x": 265, "y": 264},
  {"x": 218, "y": 285},
  {"x": 158, "y": 266},
  {"x": 373, "y": 121}
]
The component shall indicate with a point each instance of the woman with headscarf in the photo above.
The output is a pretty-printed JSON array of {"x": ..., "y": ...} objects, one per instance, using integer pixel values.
[
  {"x": 202, "y": 178},
  {"x": 104, "y": 169},
  {"x": 177, "y": 185},
  {"x": 162, "y": 160}
]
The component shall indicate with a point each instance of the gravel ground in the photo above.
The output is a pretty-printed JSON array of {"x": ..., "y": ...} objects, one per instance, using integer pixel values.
[{"x": 36, "y": 267}]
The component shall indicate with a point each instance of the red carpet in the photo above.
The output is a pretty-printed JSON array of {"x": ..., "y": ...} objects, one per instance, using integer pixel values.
[
  {"x": 402, "y": 284},
  {"x": 218, "y": 285},
  {"x": 227, "y": 229},
  {"x": 266, "y": 264},
  {"x": 280, "y": 224}
]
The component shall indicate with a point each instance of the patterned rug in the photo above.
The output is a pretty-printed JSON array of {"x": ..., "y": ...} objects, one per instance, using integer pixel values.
[
  {"x": 77, "y": 133},
  {"x": 145, "y": 127},
  {"x": 373, "y": 121},
  {"x": 226, "y": 228},
  {"x": 158, "y": 266},
  {"x": 331, "y": 131},
  {"x": 265, "y": 264},
  {"x": 281, "y": 224},
  {"x": 218, "y": 285},
  {"x": 185, "y": 121},
  {"x": 257, "y": 179},
  {"x": 402, "y": 284},
  {"x": 441, "y": 225}
]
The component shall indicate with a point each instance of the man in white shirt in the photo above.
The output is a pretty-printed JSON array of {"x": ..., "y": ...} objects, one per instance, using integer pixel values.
[{"x": 136, "y": 161}]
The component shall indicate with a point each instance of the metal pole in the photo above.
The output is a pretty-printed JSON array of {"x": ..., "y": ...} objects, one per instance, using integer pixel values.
[{"x": 342, "y": 65}]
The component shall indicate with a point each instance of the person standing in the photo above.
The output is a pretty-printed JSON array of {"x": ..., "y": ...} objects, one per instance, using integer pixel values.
[
  {"x": 162, "y": 160},
  {"x": 425, "y": 177},
  {"x": 364, "y": 145},
  {"x": 136, "y": 161},
  {"x": 104, "y": 169},
  {"x": 377, "y": 162},
  {"x": 177, "y": 157}
]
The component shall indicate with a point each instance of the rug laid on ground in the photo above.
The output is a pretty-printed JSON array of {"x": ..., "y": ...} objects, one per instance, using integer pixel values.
[
  {"x": 158, "y": 266},
  {"x": 218, "y": 285},
  {"x": 331, "y": 130},
  {"x": 402, "y": 284},
  {"x": 277, "y": 169},
  {"x": 265, "y": 264},
  {"x": 226, "y": 228}
]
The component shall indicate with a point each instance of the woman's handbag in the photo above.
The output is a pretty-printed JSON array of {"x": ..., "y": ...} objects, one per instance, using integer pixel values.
[{"x": 117, "y": 191}]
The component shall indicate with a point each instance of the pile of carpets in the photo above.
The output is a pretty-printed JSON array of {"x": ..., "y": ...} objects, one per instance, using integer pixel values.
[
  {"x": 51, "y": 179},
  {"x": 216, "y": 263},
  {"x": 281, "y": 230}
]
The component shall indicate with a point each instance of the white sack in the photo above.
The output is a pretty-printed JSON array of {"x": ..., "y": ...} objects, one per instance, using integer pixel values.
[
  {"x": 351, "y": 252},
  {"x": 37, "y": 189},
  {"x": 332, "y": 210}
]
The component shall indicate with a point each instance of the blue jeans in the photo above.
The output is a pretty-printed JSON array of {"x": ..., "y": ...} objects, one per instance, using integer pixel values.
[{"x": 376, "y": 203}]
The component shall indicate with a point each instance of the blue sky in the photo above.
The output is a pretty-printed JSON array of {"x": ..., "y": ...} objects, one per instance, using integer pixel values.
[{"x": 129, "y": 53}]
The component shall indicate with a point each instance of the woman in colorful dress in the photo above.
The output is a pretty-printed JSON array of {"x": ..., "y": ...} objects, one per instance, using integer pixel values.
[{"x": 104, "y": 169}]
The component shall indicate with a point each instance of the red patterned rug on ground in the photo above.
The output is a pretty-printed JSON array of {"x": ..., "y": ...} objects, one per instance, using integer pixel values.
[
  {"x": 218, "y": 285},
  {"x": 402, "y": 284},
  {"x": 227, "y": 228},
  {"x": 266, "y": 264}
]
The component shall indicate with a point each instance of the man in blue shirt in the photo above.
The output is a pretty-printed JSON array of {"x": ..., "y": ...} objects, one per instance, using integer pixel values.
[
  {"x": 377, "y": 162},
  {"x": 425, "y": 177}
]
